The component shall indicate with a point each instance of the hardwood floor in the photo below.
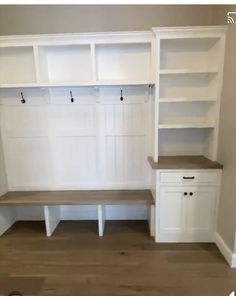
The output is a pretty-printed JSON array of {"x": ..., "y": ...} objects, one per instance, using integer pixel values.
[{"x": 126, "y": 261}]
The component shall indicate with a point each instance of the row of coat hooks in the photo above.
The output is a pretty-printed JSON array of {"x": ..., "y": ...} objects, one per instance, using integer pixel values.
[{"x": 23, "y": 101}]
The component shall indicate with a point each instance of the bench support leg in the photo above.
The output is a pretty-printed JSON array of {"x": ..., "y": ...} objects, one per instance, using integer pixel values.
[
  {"x": 152, "y": 220},
  {"x": 52, "y": 218},
  {"x": 101, "y": 219},
  {"x": 7, "y": 218}
]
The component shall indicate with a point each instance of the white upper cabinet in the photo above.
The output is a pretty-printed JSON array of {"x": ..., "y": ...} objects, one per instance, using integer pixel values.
[
  {"x": 65, "y": 63},
  {"x": 189, "y": 54},
  {"x": 17, "y": 65},
  {"x": 76, "y": 60},
  {"x": 124, "y": 62}
]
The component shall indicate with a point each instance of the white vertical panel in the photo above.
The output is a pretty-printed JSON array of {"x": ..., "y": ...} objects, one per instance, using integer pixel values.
[
  {"x": 126, "y": 160},
  {"x": 26, "y": 146},
  {"x": 72, "y": 129},
  {"x": 101, "y": 219},
  {"x": 3, "y": 175},
  {"x": 74, "y": 162},
  {"x": 71, "y": 120},
  {"x": 125, "y": 136},
  {"x": 52, "y": 218},
  {"x": 7, "y": 218},
  {"x": 25, "y": 121},
  {"x": 28, "y": 163},
  {"x": 152, "y": 220}
]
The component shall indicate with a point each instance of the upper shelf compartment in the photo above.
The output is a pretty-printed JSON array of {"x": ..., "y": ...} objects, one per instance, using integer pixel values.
[
  {"x": 188, "y": 87},
  {"x": 65, "y": 63},
  {"x": 188, "y": 55},
  {"x": 117, "y": 63},
  {"x": 17, "y": 65}
]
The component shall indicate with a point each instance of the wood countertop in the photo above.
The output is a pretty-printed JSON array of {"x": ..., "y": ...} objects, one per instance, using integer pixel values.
[{"x": 184, "y": 162}]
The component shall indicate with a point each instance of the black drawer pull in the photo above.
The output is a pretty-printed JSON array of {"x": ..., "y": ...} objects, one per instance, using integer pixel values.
[{"x": 188, "y": 178}]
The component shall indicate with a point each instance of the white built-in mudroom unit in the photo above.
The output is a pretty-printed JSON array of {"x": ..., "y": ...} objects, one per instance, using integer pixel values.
[{"x": 111, "y": 126}]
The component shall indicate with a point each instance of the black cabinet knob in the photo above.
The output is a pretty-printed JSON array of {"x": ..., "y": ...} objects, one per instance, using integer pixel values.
[
  {"x": 185, "y": 193},
  {"x": 191, "y": 193}
]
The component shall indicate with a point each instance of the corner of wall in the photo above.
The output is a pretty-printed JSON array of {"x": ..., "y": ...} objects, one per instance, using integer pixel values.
[
  {"x": 228, "y": 254},
  {"x": 3, "y": 175}
]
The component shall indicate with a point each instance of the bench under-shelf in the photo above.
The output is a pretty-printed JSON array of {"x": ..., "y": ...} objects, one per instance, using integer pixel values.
[{"x": 52, "y": 200}]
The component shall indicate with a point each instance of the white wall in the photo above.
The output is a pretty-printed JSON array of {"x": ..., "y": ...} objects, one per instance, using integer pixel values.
[
  {"x": 227, "y": 138},
  {"x": 3, "y": 178}
]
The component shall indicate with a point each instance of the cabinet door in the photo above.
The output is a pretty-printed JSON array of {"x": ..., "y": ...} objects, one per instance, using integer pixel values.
[
  {"x": 201, "y": 211},
  {"x": 172, "y": 217}
]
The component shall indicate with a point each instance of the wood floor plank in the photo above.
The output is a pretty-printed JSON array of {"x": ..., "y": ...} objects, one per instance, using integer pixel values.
[{"x": 126, "y": 262}]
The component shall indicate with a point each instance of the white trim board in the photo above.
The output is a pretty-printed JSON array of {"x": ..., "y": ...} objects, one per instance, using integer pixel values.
[{"x": 228, "y": 254}]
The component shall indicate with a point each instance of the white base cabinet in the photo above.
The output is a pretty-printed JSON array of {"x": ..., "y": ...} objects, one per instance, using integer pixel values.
[{"x": 186, "y": 213}]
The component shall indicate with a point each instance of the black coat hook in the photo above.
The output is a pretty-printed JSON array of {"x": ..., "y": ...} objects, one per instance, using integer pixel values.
[
  {"x": 22, "y": 98},
  {"x": 71, "y": 97},
  {"x": 121, "y": 95}
]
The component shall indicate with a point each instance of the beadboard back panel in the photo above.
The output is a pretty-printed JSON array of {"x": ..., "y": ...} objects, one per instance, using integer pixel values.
[{"x": 98, "y": 141}]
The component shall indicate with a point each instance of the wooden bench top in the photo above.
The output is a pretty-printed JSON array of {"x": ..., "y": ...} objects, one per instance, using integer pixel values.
[{"x": 81, "y": 197}]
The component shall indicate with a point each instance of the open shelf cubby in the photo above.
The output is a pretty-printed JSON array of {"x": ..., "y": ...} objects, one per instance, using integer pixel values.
[
  {"x": 123, "y": 62},
  {"x": 196, "y": 86},
  {"x": 190, "y": 54},
  {"x": 65, "y": 63},
  {"x": 17, "y": 65},
  {"x": 174, "y": 142},
  {"x": 187, "y": 114}
]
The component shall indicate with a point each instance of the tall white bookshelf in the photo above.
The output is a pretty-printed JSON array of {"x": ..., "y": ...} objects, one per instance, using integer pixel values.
[{"x": 189, "y": 69}]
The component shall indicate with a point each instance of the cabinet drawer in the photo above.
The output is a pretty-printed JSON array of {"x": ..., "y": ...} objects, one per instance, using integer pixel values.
[{"x": 189, "y": 177}]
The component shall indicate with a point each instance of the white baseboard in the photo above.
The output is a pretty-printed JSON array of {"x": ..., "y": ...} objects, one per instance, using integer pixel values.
[{"x": 230, "y": 257}]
